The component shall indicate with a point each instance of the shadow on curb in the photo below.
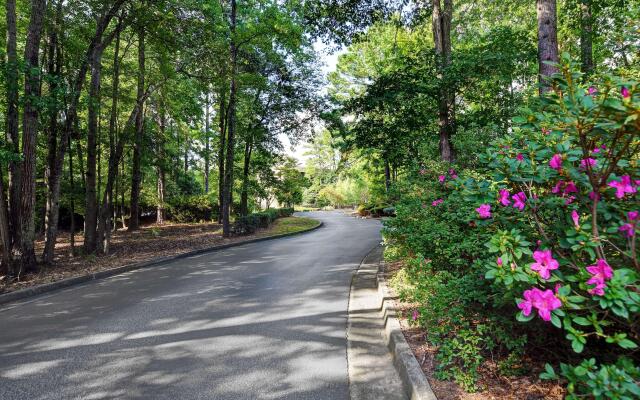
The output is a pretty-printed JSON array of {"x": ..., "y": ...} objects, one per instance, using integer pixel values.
[
  {"x": 64, "y": 283},
  {"x": 381, "y": 363}
]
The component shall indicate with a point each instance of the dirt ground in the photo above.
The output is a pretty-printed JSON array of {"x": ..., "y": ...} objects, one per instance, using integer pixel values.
[
  {"x": 494, "y": 386},
  {"x": 152, "y": 241}
]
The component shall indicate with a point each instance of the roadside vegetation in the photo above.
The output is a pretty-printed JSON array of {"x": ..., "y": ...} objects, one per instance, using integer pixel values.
[{"x": 505, "y": 139}]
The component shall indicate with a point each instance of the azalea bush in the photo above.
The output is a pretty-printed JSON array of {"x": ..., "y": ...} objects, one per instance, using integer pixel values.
[{"x": 556, "y": 207}]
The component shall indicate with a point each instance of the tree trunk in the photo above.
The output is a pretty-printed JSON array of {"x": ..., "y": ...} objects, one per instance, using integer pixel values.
[
  {"x": 223, "y": 134},
  {"x": 72, "y": 228},
  {"x": 27, "y": 253},
  {"x": 7, "y": 266},
  {"x": 136, "y": 173},
  {"x": 160, "y": 166},
  {"x": 106, "y": 208},
  {"x": 55, "y": 69},
  {"x": 441, "y": 25},
  {"x": 13, "y": 138},
  {"x": 228, "y": 173},
  {"x": 547, "y": 42},
  {"x": 244, "y": 196},
  {"x": 387, "y": 175},
  {"x": 586, "y": 37},
  {"x": 91, "y": 202},
  {"x": 71, "y": 121},
  {"x": 207, "y": 156}
]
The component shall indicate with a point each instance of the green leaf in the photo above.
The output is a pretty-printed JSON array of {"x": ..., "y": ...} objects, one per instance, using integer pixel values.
[
  {"x": 627, "y": 344},
  {"x": 555, "y": 320},
  {"x": 577, "y": 346}
]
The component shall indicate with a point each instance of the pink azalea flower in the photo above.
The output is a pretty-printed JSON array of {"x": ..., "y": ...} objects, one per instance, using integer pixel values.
[
  {"x": 623, "y": 186},
  {"x": 569, "y": 200},
  {"x": 556, "y": 288},
  {"x": 556, "y": 162},
  {"x": 441, "y": 178},
  {"x": 503, "y": 197},
  {"x": 633, "y": 215},
  {"x": 570, "y": 188},
  {"x": 437, "y": 202},
  {"x": 544, "y": 301},
  {"x": 600, "y": 272},
  {"x": 499, "y": 262},
  {"x": 527, "y": 304},
  {"x": 629, "y": 229},
  {"x": 592, "y": 91},
  {"x": 484, "y": 211},
  {"x": 415, "y": 315},
  {"x": 588, "y": 163},
  {"x": 624, "y": 91},
  {"x": 544, "y": 263},
  {"x": 452, "y": 173},
  {"x": 520, "y": 157},
  {"x": 596, "y": 150},
  {"x": 576, "y": 218},
  {"x": 519, "y": 200}
]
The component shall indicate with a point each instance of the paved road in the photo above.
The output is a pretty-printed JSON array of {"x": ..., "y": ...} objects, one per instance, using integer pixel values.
[{"x": 260, "y": 321}]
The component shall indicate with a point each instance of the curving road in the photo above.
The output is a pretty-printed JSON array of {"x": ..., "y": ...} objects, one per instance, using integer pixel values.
[{"x": 260, "y": 321}]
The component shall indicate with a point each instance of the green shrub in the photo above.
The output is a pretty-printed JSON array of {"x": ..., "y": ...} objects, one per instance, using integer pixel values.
[
  {"x": 248, "y": 224},
  {"x": 191, "y": 208}
]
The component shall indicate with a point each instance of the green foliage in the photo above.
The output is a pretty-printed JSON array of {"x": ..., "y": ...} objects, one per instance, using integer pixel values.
[
  {"x": 191, "y": 208},
  {"x": 249, "y": 224}
]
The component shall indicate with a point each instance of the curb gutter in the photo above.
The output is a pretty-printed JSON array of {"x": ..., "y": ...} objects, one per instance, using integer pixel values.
[{"x": 49, "y": 287}]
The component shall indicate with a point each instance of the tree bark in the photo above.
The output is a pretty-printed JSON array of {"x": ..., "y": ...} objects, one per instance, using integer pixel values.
[
  {"x": 387, "y": 175},
  {"x": 136, "y": 173},
  {"x": 228, "y": 174},
  {"x": 223, "y": 134},
  {"x": 55, "y": 70},
  {"x": 207, "y": 156},
  {"x": 441, "y": 25},
  {"x": 547, "y": 42},
  {"x": 160, "y": 167},
  {"x": 586, "y": 37},
  {"x": 244, "y": 195},
  {"x": 7, "y": 267},
  {"x": 13, "y": 138},
  {"x": 72, "y": 228},
  {"x": 27, "y": 255}
]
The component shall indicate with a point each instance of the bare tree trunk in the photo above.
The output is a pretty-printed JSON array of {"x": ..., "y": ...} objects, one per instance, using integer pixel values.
[
  {"x": 441, "y": 24},
  {"x": 387, "y": 175},
  {"x": 244, "y": 195},
  {"x": 136, "y": 173},
  {"x": 586, "y": 37},
  {"x": 207, "y": 156},
  {"x": 72, "y": 228},
  {"x": 547, "y": 42},
  {"x": 160, "y": 167},
  {"x": 228, "y": 175},
  {"x": 55, "y": 69},
  {"x": 223, "y": 135},
  {"x": 27, "y": 253},
  {"x": 13, "y": 138},
  {"x": 7, "y": 266}
]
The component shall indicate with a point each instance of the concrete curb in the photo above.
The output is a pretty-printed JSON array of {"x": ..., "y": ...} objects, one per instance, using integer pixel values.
[
  {"x": 414, "y": 381},
  {"x": 49, "y": 287}
]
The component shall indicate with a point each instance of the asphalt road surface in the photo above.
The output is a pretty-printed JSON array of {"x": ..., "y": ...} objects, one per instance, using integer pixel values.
[{"x": 260, "y": 321}]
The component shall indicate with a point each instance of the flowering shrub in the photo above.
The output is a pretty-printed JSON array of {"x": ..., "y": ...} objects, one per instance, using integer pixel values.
[{"x": 557, "y": 204}]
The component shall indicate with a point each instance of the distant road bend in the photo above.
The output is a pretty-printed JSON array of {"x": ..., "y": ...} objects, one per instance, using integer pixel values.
[{"x": 261, "y": 321}]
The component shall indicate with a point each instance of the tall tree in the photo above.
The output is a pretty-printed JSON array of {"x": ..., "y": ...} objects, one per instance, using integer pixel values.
[
  {"x": 231, "y": 130},
  {"x": 441, "y": 25},
  {"x": 27, "y": 253},
  {"x": 547, "y": 42},
  {"x": 136, "y": 174},
  {"x": 586, "y": 37},
  {"x": 13, "y": 137}
]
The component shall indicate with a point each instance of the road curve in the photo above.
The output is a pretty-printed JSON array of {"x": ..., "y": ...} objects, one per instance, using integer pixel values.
[{"x": 260, "y": 321}]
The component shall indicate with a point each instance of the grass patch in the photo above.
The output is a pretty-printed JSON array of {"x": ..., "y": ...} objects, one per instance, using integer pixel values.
[{"x": 291, "y": 225}]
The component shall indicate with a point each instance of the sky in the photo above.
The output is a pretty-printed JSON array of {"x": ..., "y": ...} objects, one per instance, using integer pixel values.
[{"x": 328, "y": 61}]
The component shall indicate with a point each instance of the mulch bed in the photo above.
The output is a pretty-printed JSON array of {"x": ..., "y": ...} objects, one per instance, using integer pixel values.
[
  {"x": 150, "y": 242},
  {"x": 494, "y": 385}
]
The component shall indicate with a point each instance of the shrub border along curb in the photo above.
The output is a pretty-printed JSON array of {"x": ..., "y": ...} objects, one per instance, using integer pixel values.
[
  {"x": 415, "y": 383},
  {"x": 50, "y": 287}
]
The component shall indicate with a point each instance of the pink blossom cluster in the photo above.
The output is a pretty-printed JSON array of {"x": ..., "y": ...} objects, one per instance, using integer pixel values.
[
  {"x": 545, "y": 263},
  {"x": 600, "y": 273},
  {"x": 484, "y": 211},
  {"x": 624, "y": 186},
  {"x": 437, "y": 202},
  {"x": 452, "y": 174},
  {"x": 588, "y": 163},
  {"x": 629, "y": 228},
  {"x": 556, "y": 162},
  {"x": 544, "y": 301},
  {"x": 519, "y": 199},
  {"x": 565, "y": 189}
]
